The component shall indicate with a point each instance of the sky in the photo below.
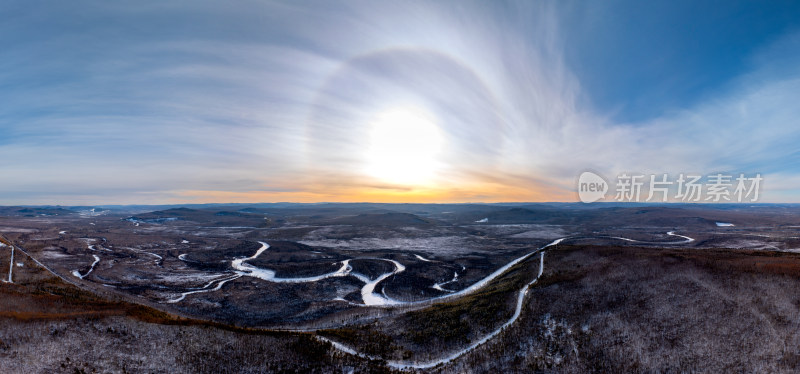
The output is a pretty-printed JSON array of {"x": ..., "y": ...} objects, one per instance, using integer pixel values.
[{"x": 167, "y": 102}]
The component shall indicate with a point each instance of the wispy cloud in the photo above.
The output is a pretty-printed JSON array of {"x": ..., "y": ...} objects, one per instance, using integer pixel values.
[{"x": 274, "y": 102}]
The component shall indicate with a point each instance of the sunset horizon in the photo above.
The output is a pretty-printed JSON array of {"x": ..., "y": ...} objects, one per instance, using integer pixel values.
[{"x": 410, "y": 102}]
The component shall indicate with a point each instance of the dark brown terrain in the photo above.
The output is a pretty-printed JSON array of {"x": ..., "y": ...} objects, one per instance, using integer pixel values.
[{"x": 629, "y": 289}]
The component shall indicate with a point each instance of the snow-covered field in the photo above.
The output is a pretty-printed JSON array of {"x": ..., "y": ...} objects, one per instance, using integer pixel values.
[
  {"x": 441, "y": 245},
  {"x": 528, "y": 231}
]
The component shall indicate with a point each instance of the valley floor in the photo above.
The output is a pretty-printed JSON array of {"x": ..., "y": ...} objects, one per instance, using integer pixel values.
[{"x": 595, "y": 309}]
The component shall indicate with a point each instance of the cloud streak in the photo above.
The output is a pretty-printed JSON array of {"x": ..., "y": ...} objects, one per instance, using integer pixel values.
[{"x": 174, "y": 102}]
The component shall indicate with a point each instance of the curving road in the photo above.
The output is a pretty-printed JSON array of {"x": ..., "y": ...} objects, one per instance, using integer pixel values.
[
  {"x": 517, "y": 311},
  {"x": 371, "y": 298},
  {"x": 10, "y": 266}
]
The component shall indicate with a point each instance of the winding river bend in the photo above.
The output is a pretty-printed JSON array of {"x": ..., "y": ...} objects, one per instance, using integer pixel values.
[
  {"x": 368, "y": 294},
  {"x": 245, "y": 269},
  {"x": 81, "y": 276},
  {"x": 517, "y": 311},
  {"x": 372, "y": 298},
  {"x": 206, "y": 288}
]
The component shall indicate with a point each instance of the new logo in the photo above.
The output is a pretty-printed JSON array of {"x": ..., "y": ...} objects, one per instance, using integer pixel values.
[{"x": 591, "y": 187}]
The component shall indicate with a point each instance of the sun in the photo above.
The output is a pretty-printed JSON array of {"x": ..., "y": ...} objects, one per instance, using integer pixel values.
[{"x": 404, "y": 147}]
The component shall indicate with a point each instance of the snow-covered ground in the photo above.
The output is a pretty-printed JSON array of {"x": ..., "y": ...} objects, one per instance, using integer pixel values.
[
  {"x": 483, "y": 282},
  {"x": 430, "y": 364},
  {"x": 54, "y": 253},
  {"x": 368, "y": 294},
  {"x": 17, "y": 229},
  {"x": 541, "y": 232},
  {"x": 517, "y": 311},
  {"x": 180, "y": 279},
  {"x": 438, "y": 245}
]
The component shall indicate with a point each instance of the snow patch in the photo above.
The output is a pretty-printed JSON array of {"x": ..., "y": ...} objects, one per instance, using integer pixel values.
[{"x": 422, "y": 258}]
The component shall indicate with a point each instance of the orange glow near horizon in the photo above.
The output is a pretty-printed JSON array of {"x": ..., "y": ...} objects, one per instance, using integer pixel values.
[{"x": 478, "y": 193}]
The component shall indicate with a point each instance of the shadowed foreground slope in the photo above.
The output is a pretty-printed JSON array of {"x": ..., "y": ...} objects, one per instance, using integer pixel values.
[{"x": 613, "y": 309}]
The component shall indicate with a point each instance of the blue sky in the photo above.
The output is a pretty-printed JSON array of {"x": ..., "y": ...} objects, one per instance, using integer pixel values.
[
  {"x": 194, "y": 101},
  {"x": 641, "y": 60}
]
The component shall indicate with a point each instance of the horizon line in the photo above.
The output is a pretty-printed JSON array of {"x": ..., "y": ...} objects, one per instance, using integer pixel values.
[{"x": 420, "y": 203}]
